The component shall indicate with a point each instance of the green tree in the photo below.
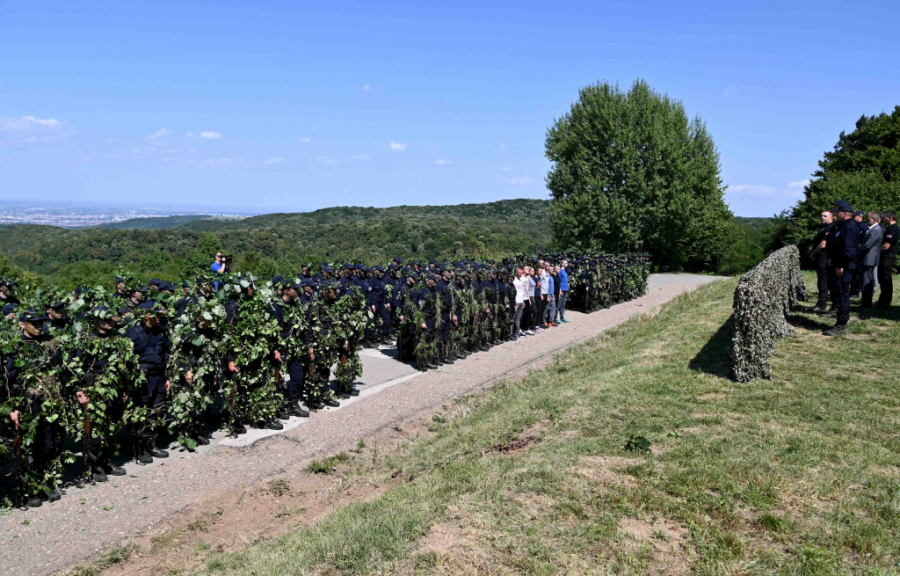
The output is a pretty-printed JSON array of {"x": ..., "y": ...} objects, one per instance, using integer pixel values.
[
  {"x": 631, "y": 173},
  {"x": 863, "y": 169}
]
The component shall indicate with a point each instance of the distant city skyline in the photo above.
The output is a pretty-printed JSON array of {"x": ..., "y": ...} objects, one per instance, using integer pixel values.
[{"x": 284, "y": 106}]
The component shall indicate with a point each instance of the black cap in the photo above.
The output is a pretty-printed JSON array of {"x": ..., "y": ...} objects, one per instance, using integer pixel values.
[
  {"x": 33, "y": 315},
  {"x": 155, "y": 282},
  {"x": 843, "y": 206}
]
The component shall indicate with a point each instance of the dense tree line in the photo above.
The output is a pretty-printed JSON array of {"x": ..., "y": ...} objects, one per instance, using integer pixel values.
[{"x": 863, "y": 169}]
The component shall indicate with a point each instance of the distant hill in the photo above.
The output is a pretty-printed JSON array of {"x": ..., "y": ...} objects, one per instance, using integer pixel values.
[
  {"x": 278, "y": 243},
  {"x": 152, "y": 223},
  {"x": 754, "y": 223}
]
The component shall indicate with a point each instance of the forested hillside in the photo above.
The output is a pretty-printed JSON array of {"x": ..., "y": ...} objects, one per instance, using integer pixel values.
[
  {"x": 276, "y": 243},
  {"x": 152, "y": 222}
]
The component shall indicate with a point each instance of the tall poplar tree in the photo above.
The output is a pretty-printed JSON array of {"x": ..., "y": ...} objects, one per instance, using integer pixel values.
[{"x": 632, "y": 173}]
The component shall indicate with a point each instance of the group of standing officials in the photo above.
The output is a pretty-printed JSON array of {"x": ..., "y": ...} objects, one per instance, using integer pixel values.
[{"x": 853, "y": 253}]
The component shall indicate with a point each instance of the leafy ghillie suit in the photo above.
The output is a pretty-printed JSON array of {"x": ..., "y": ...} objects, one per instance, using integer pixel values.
[
  {"x": 337, "y": 325},
  {"x": 32, "y": 386},
  {"x": 251, "y": 395},
  {"x": 199, "y": 346},
  {"x": 105, "y": 367}
]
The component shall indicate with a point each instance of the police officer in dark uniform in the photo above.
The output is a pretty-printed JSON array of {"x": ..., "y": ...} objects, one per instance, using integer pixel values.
[
  {"x": 820, "y": 258},
  {"x": 863, "y": 228},
  {"x": 888, "y": 259},
  {"x": 151, "y": 344},
  {"x": 842, "y": 248},
  {"x": 57, "y": 322},
  {"x": 281, "y": 309}
]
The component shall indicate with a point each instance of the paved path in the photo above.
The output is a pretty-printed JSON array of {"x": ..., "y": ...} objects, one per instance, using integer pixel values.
[{"x": 90, "y": 520}]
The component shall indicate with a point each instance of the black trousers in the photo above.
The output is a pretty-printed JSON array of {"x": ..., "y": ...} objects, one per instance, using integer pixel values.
[
  {"x": 822, "y": 285},
  {"x": 295, "y": 384},
  {"x": 154, "y": 393},
  {"x": 841, "y": 289},
  {"x": 886, "y": 280}
]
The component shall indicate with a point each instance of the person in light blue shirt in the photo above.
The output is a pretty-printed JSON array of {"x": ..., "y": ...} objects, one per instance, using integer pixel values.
[{"x": 563, "y": 290}]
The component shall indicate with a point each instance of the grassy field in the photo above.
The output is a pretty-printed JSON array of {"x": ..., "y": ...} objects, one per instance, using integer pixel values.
[{"x": 633, "y": 454}]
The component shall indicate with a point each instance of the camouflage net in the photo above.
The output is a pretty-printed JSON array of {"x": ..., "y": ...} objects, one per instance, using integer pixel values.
[{"x": 762, "y": 298}]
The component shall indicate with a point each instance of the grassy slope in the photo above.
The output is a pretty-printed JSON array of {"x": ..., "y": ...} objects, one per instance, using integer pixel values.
[{"x": 798, "y": 475}]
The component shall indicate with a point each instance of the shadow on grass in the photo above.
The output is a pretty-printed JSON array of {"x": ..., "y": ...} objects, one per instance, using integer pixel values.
[
  {"x": 715, "y": 356},
  {"x": 809, "y": 321}
]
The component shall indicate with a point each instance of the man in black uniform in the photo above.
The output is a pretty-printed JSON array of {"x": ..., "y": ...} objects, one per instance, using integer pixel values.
[
  {"x": 888, "y": 259},
  {"x": 820, "y": 258},
  {"x": 151, "y": 344},
  {"x": 842, "y": 248},
  {"x": 295, "y": 340},
  {"x": 862, "y": 227}
]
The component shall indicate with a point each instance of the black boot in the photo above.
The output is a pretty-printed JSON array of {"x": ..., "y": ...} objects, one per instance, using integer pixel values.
[
  {"x": 274, "y": 425},
  {"x": 838, "y": 329},
  {"x": 113, "y": 470},
  {"x": 34, "y": 502},
  {"x": 98, "y": 474},
  {"x": 332, "y": 403},
  {"x": 152, "y": 449},
  {"x": 293, "y": 408}
]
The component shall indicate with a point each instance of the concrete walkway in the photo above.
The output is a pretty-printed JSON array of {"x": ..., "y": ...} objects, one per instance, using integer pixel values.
[{"x": 87, "y": 521}]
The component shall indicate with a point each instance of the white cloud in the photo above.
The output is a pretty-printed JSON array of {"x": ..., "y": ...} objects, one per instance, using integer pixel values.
[
  {"x": 361, "y": 157},
  {"x": 443, "y": 162},
  {"x": 323, "y": 161},
  {"x": 159, "y": 134},
  {"x": 504, "y": 169},
  {"x": 502, "y": 145},
  {"x": 30, "y": 129},
  {"x": 367, "y": 87},
  {"x": 215, "y": 161},
  {"x": 190, "y": 134},
  {"x": 398, "y": 147},
  {"x": 523, "y": 181},
  {"x": 276, "y": 160},
  {"x": 210, "y": 135},
  {"x": 305, "y": 140},
  {"x": 799, "y": 184}
]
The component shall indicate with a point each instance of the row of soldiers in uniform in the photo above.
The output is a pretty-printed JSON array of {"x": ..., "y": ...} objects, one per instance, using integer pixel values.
[{"x": 92, "y": 365}]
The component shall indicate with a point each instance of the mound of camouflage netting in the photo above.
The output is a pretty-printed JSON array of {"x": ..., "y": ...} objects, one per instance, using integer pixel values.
[{"x": 762, "y": 298}]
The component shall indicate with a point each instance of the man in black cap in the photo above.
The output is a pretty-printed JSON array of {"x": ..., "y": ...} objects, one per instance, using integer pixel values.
[
  {"x": 888, "y": 259},
  {"x": 151, "y": 344},
  {"x": 26, "y": 393},
  {"x": 842, "y": 249},
  {"x": 97, "y": 389},
  {"x": 379, "y": 305},
  {"x": 57, "y": 321},
  {"x": 295, "y": 341},
  {"x": 121, "y": 291},
  {"x": 820, "y": 258},
  {"x": 6, "y": 292},
  {"x": 862, "y": 228}
]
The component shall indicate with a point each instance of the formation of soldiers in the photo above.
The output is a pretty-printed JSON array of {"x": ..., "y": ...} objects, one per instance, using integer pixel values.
[{"x": 105, "y": 370}]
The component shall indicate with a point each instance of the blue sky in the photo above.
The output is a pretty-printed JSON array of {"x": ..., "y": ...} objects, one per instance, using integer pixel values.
[{"x": 288, "y": 106}]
